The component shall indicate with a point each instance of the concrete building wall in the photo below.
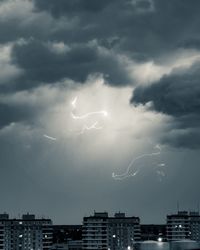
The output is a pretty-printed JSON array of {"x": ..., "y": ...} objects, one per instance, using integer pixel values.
[
  {"x": 27, "y": 233},
  {"x": 183, "y": 225},
  {"x": 114, "y": 233}
]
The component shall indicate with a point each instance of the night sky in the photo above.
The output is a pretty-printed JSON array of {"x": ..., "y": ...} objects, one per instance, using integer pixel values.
[{"x": 99, "y": 107}]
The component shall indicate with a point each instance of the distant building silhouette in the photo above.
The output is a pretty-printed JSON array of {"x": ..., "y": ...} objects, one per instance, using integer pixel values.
[
  {"x": 153, "y": 232},
  {"x": 67, "y": 237},
  {"x": 65, "y": 233},
  {"x": 27, "y": 233}
]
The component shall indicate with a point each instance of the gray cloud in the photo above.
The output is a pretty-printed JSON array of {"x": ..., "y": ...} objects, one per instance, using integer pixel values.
[
  {"x": 17, "y": 112},
  {"x": 11, "y": 114},
  {"x": 42, "y": 65},
  {"x": 140, "y": 29},
  {"x": 143, "y": 27},
  {"x": 70, "y": 40},
  {"x": 65, "y": 7},
  {"x": 177, "y": 95}
]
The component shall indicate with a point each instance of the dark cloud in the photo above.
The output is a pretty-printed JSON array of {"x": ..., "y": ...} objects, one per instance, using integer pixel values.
[
  {"x": 63, "y": 7},
  {"x": 19, "y": 113},
  {"x": 193, "y": 43},
  {"x": 13, "y": 26},
  {"x": 177, "y": 95},
  {"x": 140, "y": 29},
  {"x": 143, "y": 27},
  {"x": 10, "y": 114},
  {"x": 43, "y": 65},
  {"x": 188, "y": 138}
]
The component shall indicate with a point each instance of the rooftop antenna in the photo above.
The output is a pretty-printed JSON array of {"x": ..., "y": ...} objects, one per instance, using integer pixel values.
[{"x": 177, "y": 206}]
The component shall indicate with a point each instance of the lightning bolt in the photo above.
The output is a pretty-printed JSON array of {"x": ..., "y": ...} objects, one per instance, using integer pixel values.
[
  {"x": 161, "y": 165},
  {"x": 93, "y": 126},
  {"x": 133, "y": 161},
  {"x": 74, "y": 102},
  {"x": 76, "y": 117},
  {"x": 160, "y": 171},
  {"x": 101, "y": 112},
  {"x": 50, "y": 137},
  {"x": 87, "y": 115}
]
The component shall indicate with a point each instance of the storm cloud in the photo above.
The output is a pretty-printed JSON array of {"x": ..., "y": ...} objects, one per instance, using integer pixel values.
[
  {"x": 176, "y": 95},
  {"x": 138, "y": 60},
  {"x": 141, "y": 28},
  {"x": 52, "y": 62}
]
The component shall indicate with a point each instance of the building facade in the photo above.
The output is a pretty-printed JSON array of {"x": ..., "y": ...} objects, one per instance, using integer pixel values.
[
  {"x": 178, "y": 226},
  {"x": 123, "y": 232},
  {"x": 114, "y": 233},
  {"x": 95, "y": 232},
  {"x": 183, "y": 225},
  {"x": 194, "y": 224},
  {"x": 27, "y": 233}
]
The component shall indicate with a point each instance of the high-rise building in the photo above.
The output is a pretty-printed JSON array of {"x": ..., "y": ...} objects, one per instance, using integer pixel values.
[
  {"x": 194, "y": 224},
  {"x": 27, "y": 233},
  {"x": 95, "y": 232},
  {"x": 183, "y": 225},
  {"x": 178, "y": 226},
  {"x": 114, "y": 233},
  {"x": 123, "y": 231}
]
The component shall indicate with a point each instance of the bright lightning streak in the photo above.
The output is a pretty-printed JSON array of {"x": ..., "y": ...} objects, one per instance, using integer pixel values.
[
  {"x": 93, "y": 126},
  {"x": 102, "y": 112},
  {"x": 121, "y": 177},
  {"x": 74, "y": 102},
  {"x": 127, "y": 173},
  {"x": 76, "y": 117},
  {"x": 160, "y": 171},
  {"x": 161, "y": 165},
  {"x": 50, "y": 137},
  {"x": 87, "y": 115}
]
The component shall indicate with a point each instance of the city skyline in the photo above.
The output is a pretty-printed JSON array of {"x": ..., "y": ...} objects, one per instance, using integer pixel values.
[
  {"x": 100, "y": 230},
  {"x": 90, "y": 213},
  {"x": 99, "y": 107}
]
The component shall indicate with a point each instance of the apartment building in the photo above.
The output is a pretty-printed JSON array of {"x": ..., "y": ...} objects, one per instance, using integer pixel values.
[{"x": 26, "y": 233}]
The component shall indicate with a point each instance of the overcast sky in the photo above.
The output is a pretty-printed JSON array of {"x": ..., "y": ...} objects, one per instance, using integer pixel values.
[{"x": 99, "y": 107}]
